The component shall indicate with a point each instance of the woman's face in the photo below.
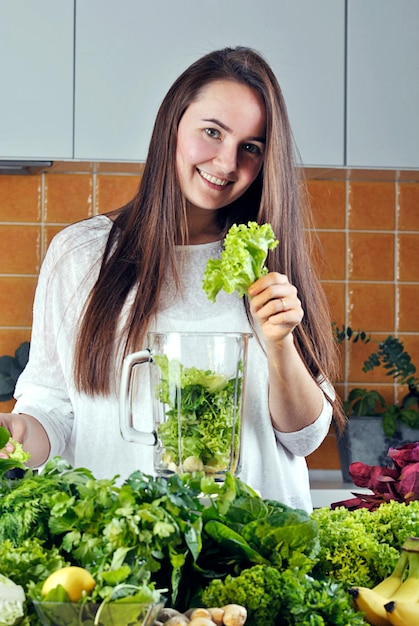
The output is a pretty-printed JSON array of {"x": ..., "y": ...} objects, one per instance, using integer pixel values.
[{"x": 221, "y": 144}]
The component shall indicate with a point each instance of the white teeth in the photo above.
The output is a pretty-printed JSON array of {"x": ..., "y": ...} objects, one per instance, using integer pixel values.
[{"x": 212, "y": 179}]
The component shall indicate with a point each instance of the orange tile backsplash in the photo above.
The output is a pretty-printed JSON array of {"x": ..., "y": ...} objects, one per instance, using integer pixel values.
[
  {"x": 371, "y": 306},
  {"x": 328, "y": 202},
  {"x": 408, "y": 257},
  {"x": 68, "y": 198},
  {"x": 371, "y": 205},
  {"x": 20, "y": 199},
  {"x": 408, "y": 317},
  {"x": 407, "y": 206},
  {"x": 368, "y": 228},
  {"x": 27, "y": 241},
  {"x": 371, "y": 256},
  {"x": 114, "y": 191}
]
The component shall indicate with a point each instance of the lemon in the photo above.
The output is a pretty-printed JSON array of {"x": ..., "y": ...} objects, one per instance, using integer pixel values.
[{"x": 73, "y": 579}]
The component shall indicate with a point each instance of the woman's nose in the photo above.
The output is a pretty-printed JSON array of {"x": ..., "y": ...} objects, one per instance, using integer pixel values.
[{"x": 227, "y": 159}]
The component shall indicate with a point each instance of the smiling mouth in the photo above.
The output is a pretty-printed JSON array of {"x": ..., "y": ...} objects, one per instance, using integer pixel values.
[{"x": 213, "y": 179}]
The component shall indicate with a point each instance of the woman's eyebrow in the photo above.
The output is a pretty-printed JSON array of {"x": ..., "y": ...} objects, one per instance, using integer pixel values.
[{"x": 214, "y": 120}]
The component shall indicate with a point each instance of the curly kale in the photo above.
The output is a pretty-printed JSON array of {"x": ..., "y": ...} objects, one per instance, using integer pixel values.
[
  {"x": 284, "y": 598},
  {"x": 257, "y": 588},
  {"x": 361, "y": 547}
]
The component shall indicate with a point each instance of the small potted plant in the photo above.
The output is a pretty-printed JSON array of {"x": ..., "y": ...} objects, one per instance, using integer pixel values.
[{"x": 374, "y": 425}]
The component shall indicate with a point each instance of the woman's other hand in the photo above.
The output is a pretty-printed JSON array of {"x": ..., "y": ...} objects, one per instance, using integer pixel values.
[{"x": 30, "y": 433}]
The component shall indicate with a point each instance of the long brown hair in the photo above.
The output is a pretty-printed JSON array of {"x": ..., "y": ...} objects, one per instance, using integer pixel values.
[{"x": 141, "y": 247}]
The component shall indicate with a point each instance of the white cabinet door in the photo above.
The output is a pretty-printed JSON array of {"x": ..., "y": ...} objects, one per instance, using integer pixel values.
[
  {"x": 383, "y": 83},
  {"x": 36, "y": 79},
  {"x": 128, "y": 53}
]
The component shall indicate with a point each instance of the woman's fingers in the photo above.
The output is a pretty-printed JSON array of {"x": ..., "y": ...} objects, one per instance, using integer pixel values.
[{"x": 274, "y": 302}]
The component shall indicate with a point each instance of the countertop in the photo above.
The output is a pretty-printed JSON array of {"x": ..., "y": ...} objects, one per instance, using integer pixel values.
[{"x": 327, "y": 486}]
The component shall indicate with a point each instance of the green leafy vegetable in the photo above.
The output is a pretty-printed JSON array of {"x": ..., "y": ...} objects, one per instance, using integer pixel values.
[
  {"x": 28, "y": 563},
  {"x": 140, "y": 532},
  {"x": 361, "y": 547},
  {"x": 184, "y": 532},
  {"x": 257, "y": 588},
  {"x": 17, "y": 458},
  {"x": 242, "y": 260},
  {"x": 289, "y": 597},
  {"x": 202, "y": 426},
  {"x": 308, "y": 601},
  {"x": 241, "y": 530},
  {"x": 12, "y": 598}
]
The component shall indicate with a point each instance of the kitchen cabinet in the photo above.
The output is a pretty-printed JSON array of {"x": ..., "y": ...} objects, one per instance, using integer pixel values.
[
  {"x": 129, "y": 52},
  {"x": 83, "y": 79},
  {"x": 36, "y": 78},
  {"x": 383, "y": 84}
]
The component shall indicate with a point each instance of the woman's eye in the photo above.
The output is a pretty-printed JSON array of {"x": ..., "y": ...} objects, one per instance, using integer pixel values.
[
  {"x": 212, "y": 132},
  {"x": 252, "y": 148}
]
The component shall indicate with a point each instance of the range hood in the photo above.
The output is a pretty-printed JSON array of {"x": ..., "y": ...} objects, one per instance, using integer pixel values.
[{"x": 23, "y": 167}]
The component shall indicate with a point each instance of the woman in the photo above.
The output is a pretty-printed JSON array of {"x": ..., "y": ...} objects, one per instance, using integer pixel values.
[{"x": 221, "y": 152}]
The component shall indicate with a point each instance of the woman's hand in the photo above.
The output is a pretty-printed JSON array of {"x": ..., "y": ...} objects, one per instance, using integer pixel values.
[
  {"x": 14, "y": 424},
  {"x": 28, "y": 431},
  {"x": 275, "y": 306},
  {"x": 16, "y": 432}
]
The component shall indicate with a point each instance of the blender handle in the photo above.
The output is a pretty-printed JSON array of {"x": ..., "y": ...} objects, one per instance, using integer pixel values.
[{"x": 128, "y": 432}]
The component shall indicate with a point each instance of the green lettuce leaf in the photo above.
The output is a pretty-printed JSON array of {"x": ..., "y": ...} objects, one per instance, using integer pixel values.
[
  {"x": 17, "y": 458},
  {"x": 242, "y": 260}
]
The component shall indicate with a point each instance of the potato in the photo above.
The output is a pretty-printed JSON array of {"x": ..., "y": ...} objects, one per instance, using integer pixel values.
[
  {"x": 201, "y": 621},
  {"x": 177, "y": 620},
  {"x": 166, "y": 613},
  {"x": 234, "y": 615},
  {"x": 217, "y": 615},
  {"x": 199, "y": 612}
]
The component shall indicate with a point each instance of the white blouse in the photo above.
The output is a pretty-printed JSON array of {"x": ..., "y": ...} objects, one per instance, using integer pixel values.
[{"x": 85, "y": 430}]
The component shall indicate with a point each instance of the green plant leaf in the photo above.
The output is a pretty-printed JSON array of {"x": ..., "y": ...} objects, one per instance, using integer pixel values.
[
  {"x": 410, "y": 417},
  {"x": 346, "y": 333},
  {"x": 392, "y": 356},
  {"x": 389, "y": 422},
  {"x": 364, "y": 402}
]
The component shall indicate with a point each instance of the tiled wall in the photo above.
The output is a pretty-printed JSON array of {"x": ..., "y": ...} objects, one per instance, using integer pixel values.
[{"x": 367, "y": 222}]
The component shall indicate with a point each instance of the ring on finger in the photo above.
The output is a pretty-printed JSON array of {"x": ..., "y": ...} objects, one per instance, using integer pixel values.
[{"x": 284, "y": 306}]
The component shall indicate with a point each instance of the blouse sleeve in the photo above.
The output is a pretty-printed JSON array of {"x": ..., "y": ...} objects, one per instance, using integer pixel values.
[
  {"x": 45, "y": 387},
  {"x": 303, "y": 442}
]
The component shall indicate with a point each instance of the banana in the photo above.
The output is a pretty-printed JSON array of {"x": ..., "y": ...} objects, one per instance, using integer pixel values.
[
  {"x": 402, "y": 613},
  {"x": 372, "y": 604},
  {"x": 409, "y": 589},
  {"x": 387, "y": 587}
]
